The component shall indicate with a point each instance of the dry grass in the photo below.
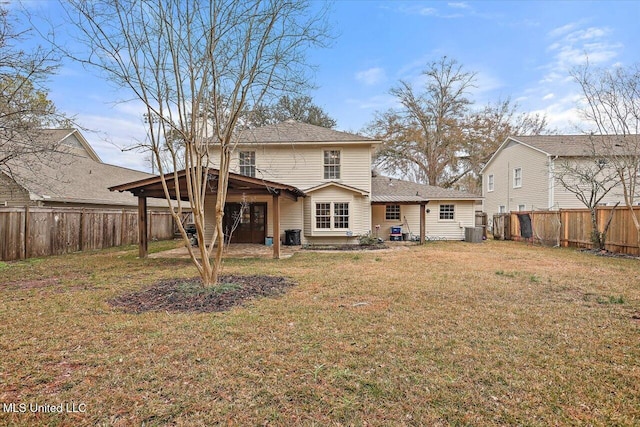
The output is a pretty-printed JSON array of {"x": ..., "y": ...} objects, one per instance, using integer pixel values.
[{"x": 444, "y": 334}]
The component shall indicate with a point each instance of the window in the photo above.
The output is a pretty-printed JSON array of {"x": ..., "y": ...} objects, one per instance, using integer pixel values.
[
  {"x": 328, "y": 214},
  {"x": 502, "y": 209},
  {"x": 392, "y": 213},
  {"x": 323, "y": 215},
  {"x": 521, "y": 207},
  {"x": 447, "y": 211},
  {"x": 490, "y": 183},
  {"x": 247, "y": 160},
  {"x": 517, "y": 178},
  {"x": 341, "y": 215},
  {"x": 332, "y": 164}
]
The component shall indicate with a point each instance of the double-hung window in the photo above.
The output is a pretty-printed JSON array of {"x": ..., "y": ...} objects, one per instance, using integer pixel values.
[
  {"x": 247, "y": 160},
  {"x": 332, "y": 216},
  {"x": 447, "y": 212},
  {"x": 517, "y": 178},
  {"x": 331, "y": 164},
  {"x": 490, "y": 183}
]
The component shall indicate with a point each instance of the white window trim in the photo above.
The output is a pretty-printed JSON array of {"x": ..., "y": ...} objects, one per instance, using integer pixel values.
[
  {"x": 515, "y": 184},
  {"x": 252, "y": 166},
  {"x": 339, "y": 150},
  {"x": 332, "y": 216},
  {"x": 490, "y": 183},
  {"x": 440, "y": 211}
]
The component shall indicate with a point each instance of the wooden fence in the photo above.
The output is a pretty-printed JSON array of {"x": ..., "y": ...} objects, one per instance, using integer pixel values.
[
  {"x": 28, "y": 232},
  {"x": 571, "y": 228}
]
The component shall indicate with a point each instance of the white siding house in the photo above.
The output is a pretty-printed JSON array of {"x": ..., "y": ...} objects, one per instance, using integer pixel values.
[{"x": 521, "y": 174}]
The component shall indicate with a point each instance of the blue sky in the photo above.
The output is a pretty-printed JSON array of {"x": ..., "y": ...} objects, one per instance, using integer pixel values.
[{"x": 522, "y": 50}]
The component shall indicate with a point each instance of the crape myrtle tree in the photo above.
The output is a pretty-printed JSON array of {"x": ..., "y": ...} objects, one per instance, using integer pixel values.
[
  {"x": 611, "y": 104},
  {"x": 24, "y": 105},
  {"x": 435, "y": 137},
  {"x": 196, "y": 66}
]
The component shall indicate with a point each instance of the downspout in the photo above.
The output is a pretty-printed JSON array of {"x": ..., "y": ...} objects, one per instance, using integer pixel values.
[{"x": 552, "y": 182}]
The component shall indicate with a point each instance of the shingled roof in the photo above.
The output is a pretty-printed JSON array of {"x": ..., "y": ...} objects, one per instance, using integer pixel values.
[
  {"x": 575, "y": 145},
  {"x": 391, "y": 190},
  {"x": 292, "y": 131},
  {"x": 73, "y": 176}
]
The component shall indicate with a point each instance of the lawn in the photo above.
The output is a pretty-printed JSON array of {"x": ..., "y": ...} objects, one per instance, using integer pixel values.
[{"x": 449, "y": 333}]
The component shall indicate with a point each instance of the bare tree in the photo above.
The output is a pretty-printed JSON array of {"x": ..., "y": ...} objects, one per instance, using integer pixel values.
[
  {"x": 436, "y": 138},
  {"x": 196, "y": 66},
  {"x": 612, "y": 106},
  {"x": 590, "y": 179},
  {"x": 24, "y": 106},
  {"x": 298, "y": 108},
  {"x": 422, "y": 138},
  {"x": 482, "y": 133}
]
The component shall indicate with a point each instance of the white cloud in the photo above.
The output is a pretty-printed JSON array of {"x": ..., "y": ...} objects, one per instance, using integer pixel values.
[
  {"x": 458, "y": 5},
  {"x": 548, "y": 96},
  {"x": 372, "y": 76}
]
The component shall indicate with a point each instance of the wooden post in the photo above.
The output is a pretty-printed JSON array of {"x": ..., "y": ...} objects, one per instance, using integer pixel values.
[
  {"x": 423, "y": 222},
  {"x": 276, "y": 226},
  {"x": 143, "y": 242},
  {"x": 27, "y": 231}
]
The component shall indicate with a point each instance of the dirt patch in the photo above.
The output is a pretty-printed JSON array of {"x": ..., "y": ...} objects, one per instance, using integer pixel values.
[
  {"x": 187, "y": 295},
  {"x": 606, "y": 253}
]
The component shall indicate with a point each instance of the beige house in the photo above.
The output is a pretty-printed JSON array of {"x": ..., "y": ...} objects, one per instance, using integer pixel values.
[
  {"x": 521, "y": 174},
  {"x": 342, "y": 200},
  {"x": 396, "y": 203},
  {"x": 73, "y": 176}
]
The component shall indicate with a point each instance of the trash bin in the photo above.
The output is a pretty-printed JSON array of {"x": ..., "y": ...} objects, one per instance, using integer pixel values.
[{"x": 292, "y": 237}]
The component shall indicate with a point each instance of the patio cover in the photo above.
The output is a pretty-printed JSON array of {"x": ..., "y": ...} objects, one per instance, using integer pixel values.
[{"x": 237, "y": 185}]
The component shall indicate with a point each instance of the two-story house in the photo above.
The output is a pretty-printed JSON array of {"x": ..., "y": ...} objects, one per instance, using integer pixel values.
[
  {"x": 522, "y": 174},
  {"x": 316, "y": 186},
  {"x": 343, "y": 200}
]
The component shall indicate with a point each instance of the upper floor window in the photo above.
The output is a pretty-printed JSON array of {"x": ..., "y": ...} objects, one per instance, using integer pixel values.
[
  {"x": 247, "y": 160},
  {"x": 392, "y": 213},
  {"x": 490, "y": 183},
  {"x": 517, "y": 178},
  {"x": 447, "y": 211},
  {"x": 331, "y": 164}
]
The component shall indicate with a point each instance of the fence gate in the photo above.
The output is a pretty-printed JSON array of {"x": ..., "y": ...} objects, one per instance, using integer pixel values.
[{"x": 502, "y": 226}]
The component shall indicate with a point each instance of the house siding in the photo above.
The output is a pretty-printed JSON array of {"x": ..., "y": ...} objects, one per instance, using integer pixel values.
[
  {"x": 464, "y": 216},
  {"x": 534, "y": 192},
  {"x": 359, "y": 215},
  {"x": 302, "y": 165},
  {"x": 566, "y": 200},
  {"x": 12, "y": 194}
]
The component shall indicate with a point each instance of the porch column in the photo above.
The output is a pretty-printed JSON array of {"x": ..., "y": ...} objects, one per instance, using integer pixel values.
[
  {"x": 143, "y": 241},
  {"x": 276, "y": 226},
  {"x": 423, "y": 227}
]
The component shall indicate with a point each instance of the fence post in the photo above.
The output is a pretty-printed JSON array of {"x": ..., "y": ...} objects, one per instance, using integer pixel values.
[{"x": 27, "y": 231}]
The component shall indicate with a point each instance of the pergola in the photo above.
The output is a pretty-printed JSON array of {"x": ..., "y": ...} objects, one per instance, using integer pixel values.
[{"x": 237, "y": 185}]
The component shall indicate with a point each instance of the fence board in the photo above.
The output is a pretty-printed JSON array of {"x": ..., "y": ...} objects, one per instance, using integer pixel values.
[
  {"x": 572, "y": 228},
  {"x": 34, "y": 232}
]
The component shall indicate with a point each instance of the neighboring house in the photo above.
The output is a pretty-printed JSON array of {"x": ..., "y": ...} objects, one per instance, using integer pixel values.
[
  {"x": 73, "y": 176},
  {"x": 342, "y": 200},
  {"x": 521, "y": 174}
]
